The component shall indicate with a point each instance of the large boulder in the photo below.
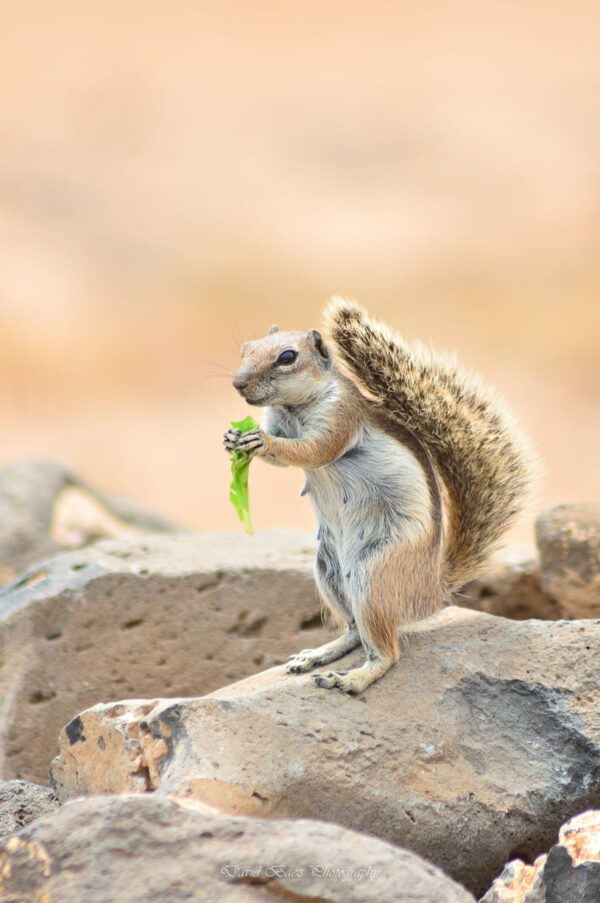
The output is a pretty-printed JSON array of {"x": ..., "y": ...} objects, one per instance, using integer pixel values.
[
  {"x": 478, "y": 743},
  {"x": 568, "y": 538},
  {"x": 141, "y": 616},
  {"x": 569, "y": 873},
  {"x": 45, "y": 508},
  {"x": 143, "y": 849},
  {"x": 21, "y": 803}
]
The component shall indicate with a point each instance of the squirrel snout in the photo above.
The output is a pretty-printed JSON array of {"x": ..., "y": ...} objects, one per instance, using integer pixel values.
[{"x": 240, "y": 381}]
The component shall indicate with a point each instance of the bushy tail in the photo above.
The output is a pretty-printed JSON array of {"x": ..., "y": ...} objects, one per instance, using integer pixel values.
[{"x": 482, "y": 456}]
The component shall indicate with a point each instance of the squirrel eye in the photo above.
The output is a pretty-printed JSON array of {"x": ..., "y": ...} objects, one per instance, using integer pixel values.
[{"x": 287, "y": 357}]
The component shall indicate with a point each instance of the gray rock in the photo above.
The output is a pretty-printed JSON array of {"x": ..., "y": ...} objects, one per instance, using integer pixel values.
[
  {"x": 21, "y": 803},
  {"x": 153, "y": 615},
  {"x": 481, "y": 740},
  {"x": 564, "y": 881},
  {"x": 46, "y": 507},
  {"x": 143, "y": 849},
  {"x": 568, "y": 538}
]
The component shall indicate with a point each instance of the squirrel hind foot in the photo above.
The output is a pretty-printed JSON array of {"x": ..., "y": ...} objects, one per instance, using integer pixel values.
[{"x": 356, "y": 680}]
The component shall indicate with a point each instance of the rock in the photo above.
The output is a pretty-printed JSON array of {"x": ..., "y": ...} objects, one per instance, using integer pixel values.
[
  {"x": 480, "y": 741},
  {"x": 148, "y": 848},
  {"x": 569, "y": 872},
  {"x": 22, "y": 802},
  {"x": 153, "y": 615},
  {"x": 511, "y": 587},
  {"x": 45, "y": 508},
  {"x": 568, "y": 537},
  {"x": 518, "y": 883}
]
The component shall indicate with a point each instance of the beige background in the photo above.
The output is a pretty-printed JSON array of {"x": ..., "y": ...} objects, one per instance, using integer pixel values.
[{"x": 174, "y": 177}]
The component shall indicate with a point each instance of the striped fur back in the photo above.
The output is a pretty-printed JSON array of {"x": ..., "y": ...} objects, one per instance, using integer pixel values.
[{"x": 483, "y": 458}]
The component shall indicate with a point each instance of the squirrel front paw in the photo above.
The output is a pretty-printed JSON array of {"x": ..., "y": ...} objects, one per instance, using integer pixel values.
[
  {"x": 249, "y": 442},
  {"x": 231, "y": 439}
]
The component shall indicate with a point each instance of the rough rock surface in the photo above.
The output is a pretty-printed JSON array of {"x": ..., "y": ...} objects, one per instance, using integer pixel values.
[
  {"x": 511, "y": 587},
  {"x": 154, "y": 615},
  {"x": 568, "y": 537},
  {"x": 45, "y": 508},
  {"x": 569, "y": 873},
  {"x": 22, "y": 802},
  {"x": 474, "y": 747},
  {"x": 142, "y": 849}
]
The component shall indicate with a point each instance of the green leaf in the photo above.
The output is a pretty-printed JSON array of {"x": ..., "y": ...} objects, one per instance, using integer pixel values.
[{"x": 240, "y": 465}]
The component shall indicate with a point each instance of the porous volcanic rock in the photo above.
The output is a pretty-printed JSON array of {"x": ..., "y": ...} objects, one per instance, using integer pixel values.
[
  {"x": 148, "y": 848},
  {"x": 569, "y": 873},
  {"x": 45, "y": 508},
  {"x": 21, "y": 803},
  {"x": 510, "y": 587},
  {"x": 480, "y": 742},
  {"x": 568, "y": 538},
  {"x": 150, "y": 615}
]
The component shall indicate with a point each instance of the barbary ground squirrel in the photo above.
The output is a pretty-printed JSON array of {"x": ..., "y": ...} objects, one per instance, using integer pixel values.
[{"x": 413, "y": 486}]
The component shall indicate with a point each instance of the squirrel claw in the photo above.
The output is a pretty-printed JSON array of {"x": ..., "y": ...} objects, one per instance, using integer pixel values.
[
  {"x": 301, "y": 662},
  {"x": 250, "y": 441}
]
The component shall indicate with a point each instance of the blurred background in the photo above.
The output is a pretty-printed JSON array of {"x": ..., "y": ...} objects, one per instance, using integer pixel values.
[{"x": 175, "y": 177}]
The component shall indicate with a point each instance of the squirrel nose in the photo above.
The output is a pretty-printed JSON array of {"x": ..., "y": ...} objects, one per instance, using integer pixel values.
[{"x": 240, "y": 381}]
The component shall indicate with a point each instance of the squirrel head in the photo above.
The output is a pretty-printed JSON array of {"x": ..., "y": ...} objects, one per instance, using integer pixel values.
[{"x": 284, "y": 368}]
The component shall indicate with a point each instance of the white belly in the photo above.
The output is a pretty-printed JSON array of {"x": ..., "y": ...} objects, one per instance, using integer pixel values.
[{"x": 375, "y": 492}]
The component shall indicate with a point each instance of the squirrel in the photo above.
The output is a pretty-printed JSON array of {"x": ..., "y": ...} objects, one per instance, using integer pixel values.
[{"x": 413, "y": 480}]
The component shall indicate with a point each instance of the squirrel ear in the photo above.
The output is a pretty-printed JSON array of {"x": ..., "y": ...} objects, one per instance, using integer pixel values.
[
  {"x": 274, "y": 328},
  {"x": 316, "y": 339}
]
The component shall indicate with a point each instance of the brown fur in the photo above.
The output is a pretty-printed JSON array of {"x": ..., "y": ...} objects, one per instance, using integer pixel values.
[{"x": 486, "y": 462}]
